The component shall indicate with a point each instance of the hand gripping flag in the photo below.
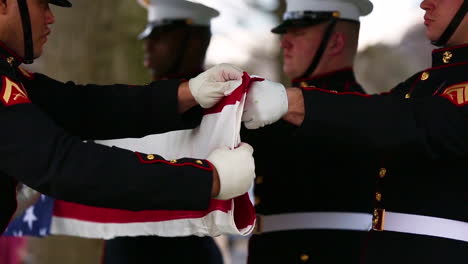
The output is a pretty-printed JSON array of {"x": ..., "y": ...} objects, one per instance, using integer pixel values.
[{"x": 220, "y": 126}]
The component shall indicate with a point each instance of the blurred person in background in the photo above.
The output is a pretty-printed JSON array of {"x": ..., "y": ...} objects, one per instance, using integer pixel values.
[
  {"x": 48, "y": 121},
  {"x": 418, "y": 133},
  {"x": 12, "y": 250},
  {"x": 319, "y": 40},
  {"x": 175, "y": 42}
]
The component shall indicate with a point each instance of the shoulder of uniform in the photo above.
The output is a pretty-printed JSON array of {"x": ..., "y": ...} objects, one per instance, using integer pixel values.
[
  {"x": 26, "y": 73},
  {"x": 414, "y": 77},
  {"x": 355, "y": 87},
  {"x": 405, "y": 85},
  {"x": 7, "y": 71}
]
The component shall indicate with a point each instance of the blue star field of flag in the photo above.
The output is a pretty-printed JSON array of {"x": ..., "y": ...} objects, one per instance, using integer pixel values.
[{"x": 35, "y": 221}]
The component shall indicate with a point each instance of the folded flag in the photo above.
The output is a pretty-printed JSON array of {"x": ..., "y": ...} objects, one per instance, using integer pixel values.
[{"x": 220, "y": 126}]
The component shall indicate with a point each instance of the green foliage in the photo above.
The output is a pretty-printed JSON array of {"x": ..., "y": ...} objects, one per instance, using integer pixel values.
[{"x": 96, "y": 41}]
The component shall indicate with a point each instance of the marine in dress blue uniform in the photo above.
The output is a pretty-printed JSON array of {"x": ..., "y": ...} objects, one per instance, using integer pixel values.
[
  {"x": 418, "y": 132},
  {"x": 175, "y": 42},
  {"x": 45, "y": 123},
  {"x": 300, "y": 191}
]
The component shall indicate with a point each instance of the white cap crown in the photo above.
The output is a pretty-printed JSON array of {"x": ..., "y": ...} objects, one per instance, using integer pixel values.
[
  {"x": 197, "y": 14},
  {"x": 348, "y": 9}
]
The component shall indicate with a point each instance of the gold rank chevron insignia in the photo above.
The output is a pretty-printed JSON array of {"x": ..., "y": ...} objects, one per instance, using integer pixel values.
[
  {"x": 457, "y": 93},
  {"x": 13, "y": 93}
]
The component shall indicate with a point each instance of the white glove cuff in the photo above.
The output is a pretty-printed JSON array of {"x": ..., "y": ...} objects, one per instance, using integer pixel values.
[{"x": 234, "y": 180}]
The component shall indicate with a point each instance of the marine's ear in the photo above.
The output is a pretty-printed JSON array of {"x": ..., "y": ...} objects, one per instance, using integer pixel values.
[
  {"x": 3, "y": 6},
  {"x": 337, "y": 43}
]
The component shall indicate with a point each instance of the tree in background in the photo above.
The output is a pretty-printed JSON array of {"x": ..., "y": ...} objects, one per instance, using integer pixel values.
[{"x": 96, "y": 41}]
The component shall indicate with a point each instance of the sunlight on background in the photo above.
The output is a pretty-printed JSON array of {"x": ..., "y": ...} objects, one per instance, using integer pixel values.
[
  {"x": 240, "y": 29},
  {"x": 389, "y": 21}
]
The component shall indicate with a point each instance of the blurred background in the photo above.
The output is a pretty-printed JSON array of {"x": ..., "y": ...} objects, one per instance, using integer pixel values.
[{"x": 96, "y": 42}]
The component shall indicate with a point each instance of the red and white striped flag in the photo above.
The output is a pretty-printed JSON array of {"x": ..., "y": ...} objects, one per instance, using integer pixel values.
[{"x": 220, "y": 126}]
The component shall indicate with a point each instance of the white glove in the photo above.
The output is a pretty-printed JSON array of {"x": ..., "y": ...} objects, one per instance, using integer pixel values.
[
  {"x": 236, "y": 170},
  {"x": 265, "y": 104},
  {"x": 215, "y": 83}
]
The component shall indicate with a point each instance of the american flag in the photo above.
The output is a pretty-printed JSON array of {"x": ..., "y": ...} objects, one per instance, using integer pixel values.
[
  {"x": 35, "y": 221},
  {"x": 220, "y": 126}
]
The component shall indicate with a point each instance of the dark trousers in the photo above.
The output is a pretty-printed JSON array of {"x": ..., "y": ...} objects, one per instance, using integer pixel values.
[
  {"x": 306, "y": 246},
  {"x": 161, "y": 250}
]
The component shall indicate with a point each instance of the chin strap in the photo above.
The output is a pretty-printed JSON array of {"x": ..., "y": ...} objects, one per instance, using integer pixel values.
[
  {"x": 27, "y": 32},
  {"x": 323, "y": 45},
  {"x": 457, "y": 19}
]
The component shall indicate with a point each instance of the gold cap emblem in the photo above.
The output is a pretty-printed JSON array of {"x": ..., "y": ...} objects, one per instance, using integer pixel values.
[
  {"x": 336, "y": 14},
  {"x": 447, "y": 57}
]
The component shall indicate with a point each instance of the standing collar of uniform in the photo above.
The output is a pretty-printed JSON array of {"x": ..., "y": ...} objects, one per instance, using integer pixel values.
[
  {"x": 451, "y": 55},
  {"x": 345, "y": 74},
  {"x": 9, "y": 56}
]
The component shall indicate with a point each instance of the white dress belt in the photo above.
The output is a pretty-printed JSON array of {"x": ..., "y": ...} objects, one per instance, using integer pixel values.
[{"x": 396, "y": 222}]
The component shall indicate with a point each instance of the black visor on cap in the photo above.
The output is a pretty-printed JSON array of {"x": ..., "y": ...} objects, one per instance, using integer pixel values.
[
  {"x": 303, "y": 19},
  {"x": 283, "y": 27},
  {"x": 157, "y": 27},
  {"x": 62, "y": 3}
]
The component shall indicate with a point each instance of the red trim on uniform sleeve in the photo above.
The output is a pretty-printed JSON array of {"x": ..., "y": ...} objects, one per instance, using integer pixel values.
[
  {"x": 337, "y": 93},
  {"x": 142, "y": 160}
]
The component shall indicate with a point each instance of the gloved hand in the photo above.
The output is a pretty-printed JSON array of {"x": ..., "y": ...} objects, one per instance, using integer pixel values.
[
  {"x": 265, "y": 104},
  {"x": 215, "y": 83},
  {"x": 236, "y": 170}
]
